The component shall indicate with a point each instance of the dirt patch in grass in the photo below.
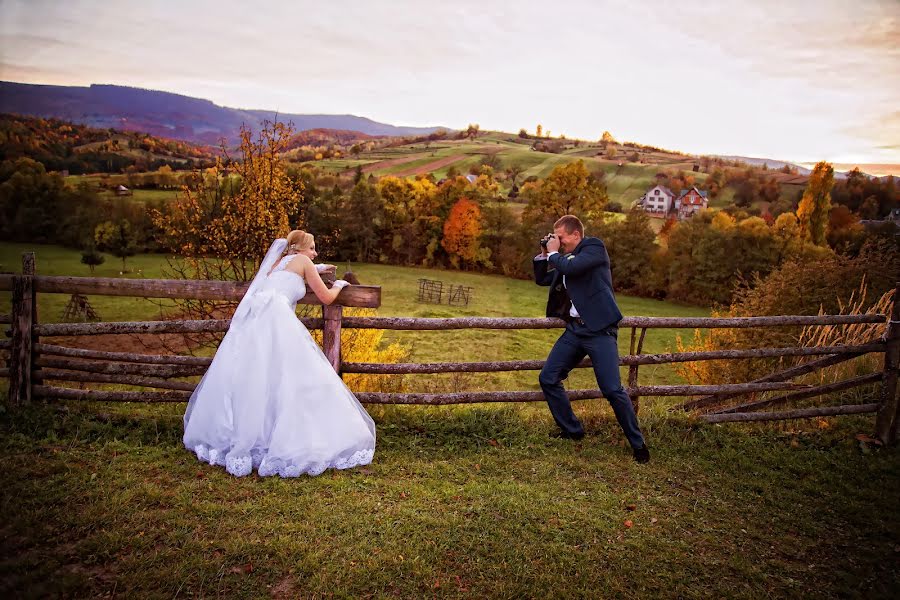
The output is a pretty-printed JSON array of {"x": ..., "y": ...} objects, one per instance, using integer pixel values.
[{"x": 144, "y": 343}]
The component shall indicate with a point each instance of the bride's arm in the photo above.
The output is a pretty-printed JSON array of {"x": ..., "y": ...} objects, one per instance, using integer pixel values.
[{"x": 304, "y": 267}]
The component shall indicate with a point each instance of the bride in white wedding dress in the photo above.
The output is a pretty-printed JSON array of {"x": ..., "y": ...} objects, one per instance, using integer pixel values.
[{"x": 270, "y": 400}]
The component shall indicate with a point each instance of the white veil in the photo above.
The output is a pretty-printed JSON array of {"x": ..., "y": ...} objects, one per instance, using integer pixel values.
[{"x": 276, "y": 250}]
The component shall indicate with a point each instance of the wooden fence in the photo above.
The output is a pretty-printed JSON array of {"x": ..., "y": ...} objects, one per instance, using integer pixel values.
[{"x": 33, "y": 362}]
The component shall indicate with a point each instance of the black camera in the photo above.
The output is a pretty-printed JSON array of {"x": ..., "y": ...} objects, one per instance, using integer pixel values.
[{"x": 544, "y": 241}]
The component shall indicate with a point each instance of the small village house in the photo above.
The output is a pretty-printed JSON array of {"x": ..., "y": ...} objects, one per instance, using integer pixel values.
[
  {"x": 691, "y": 201},
  {"x": 661, "y": 201},
  {"x": 657, "y": 200}
]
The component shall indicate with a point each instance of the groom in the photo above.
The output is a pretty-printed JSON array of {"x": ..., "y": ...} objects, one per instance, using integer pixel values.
[{"x": 577, "y": 270}]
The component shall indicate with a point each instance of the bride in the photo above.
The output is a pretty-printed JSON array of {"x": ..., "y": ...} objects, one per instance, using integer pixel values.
[{"x": 270, "y": 400}]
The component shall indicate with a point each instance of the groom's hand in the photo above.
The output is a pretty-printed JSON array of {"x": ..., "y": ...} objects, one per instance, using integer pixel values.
[{"x": 553, "y": 243}]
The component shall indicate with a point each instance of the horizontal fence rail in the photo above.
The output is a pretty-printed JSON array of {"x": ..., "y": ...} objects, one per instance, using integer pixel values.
[
  {"x": 34, "y": 360},
  {"x": 362, "y": 296},
  {"x": 122, "y": 327},
  {"x": 158, "y": 359},
  {"x": 638, "y": 359},
  {"x": 416, "y": 323},
  {"x": 802, "y": 413}
]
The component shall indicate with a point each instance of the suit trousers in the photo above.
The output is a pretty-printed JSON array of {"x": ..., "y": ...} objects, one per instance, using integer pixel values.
[{"x": 574, "y": 344}]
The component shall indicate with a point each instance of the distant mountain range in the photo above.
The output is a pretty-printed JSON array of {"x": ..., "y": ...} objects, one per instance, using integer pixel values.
[
  {"x": 840, "y": 169},
  {"x": 178, "y": 117},
  {"x": 770, "y": 163},
  {"x": 168, "y": 115}
]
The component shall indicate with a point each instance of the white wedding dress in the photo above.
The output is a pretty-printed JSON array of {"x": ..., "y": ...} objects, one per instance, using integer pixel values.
[{"x": 270, "y": 400}]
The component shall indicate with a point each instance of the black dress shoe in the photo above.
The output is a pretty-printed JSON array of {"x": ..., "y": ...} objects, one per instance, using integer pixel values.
[
  {"x": 565, "y": 435},
  {"x": 642, "y": 454}
]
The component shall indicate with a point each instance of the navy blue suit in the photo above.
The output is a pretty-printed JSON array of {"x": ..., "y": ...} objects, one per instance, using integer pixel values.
[{"x": 583, "y": 278}]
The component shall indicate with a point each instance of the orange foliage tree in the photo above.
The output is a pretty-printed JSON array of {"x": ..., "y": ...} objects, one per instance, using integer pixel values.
[
  {"x": 815, "y": 204},
  {"x": 462, "y": 232}
]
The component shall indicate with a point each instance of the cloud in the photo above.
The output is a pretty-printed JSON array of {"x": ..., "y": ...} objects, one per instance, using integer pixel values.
[{"x": 775, "y": 77}]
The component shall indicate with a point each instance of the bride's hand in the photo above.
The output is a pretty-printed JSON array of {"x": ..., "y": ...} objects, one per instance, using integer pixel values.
[{"x": 340, "y": 284}]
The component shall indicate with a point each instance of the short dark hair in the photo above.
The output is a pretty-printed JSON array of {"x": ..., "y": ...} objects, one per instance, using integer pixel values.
[{"x": 570, "y": 223}]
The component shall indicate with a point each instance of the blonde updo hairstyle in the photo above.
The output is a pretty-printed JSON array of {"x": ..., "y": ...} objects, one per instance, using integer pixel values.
[{"x": 298, "y": 240}]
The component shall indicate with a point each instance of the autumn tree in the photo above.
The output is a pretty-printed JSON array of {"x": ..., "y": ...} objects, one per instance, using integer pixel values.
[
  {"x": 413, "y": 218},
  {"x": 716, "y": 182},
  {"x": 607, "y": 138},
  {"x": 513, "y": 171},
  {"x": 221, "y": 227},
  {"x": 236, "y": 213},
  {"x": 845, "y": 234},
  {"x": 117, "y": 238},
  {"x": 472, "y": 130},
  {"x": 490, "y": 160},
  {"x": 462, "y": 231},
  {"x": 631, "y": 243},
  {"x": 815, "y": 204},
  {"x": 538, "y": 132},
  {"x": 569, "y": 189}
]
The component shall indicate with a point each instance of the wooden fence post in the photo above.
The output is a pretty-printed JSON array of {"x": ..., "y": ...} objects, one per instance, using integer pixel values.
[
  {"x": 331, "y": 335},
  {"x": 21, "y": 353},
  {"x": 633, "y": 369},
  {"x": 889, "y": 411}
]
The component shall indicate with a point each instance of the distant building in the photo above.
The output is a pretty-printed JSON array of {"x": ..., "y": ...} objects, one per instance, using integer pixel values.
[
  {"x": 123, "y": 191},
  {"x": 690, "y": 202},
  {"x": 658, "y": 200},
  {"x": 892, "y": 218}
]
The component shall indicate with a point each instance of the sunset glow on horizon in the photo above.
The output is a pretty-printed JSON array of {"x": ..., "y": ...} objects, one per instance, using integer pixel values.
[{"x": 799, "y": 81}]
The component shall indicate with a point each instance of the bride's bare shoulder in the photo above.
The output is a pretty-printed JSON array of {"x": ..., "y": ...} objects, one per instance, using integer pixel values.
[{"x": 299, "y": 263}]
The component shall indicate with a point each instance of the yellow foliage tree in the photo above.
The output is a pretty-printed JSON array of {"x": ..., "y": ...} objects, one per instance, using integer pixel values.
[
  {"x": 413, "y": 211},
  {"x": 367, "y": 346},
  {"x": 221, "y": 228},
  {"x": 568, "y": 190}
]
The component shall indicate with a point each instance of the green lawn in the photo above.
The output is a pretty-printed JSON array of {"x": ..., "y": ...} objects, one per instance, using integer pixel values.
[
  {"x": 471, "y": 502},
  {"x": 138, "y": 195}
]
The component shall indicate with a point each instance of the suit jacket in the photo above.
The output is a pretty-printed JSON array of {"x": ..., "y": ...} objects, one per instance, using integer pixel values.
[{"x": 588, "y": 283}]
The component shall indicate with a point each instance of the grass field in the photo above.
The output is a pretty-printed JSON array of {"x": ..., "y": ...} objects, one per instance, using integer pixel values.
[{"x": 460, "y": 502}]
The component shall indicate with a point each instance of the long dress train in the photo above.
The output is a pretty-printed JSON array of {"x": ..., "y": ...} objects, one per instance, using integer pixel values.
[{"x": 270, "y": 400}]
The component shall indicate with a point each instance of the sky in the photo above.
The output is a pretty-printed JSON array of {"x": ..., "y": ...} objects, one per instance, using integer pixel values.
[{"x": 791, "y": 80}]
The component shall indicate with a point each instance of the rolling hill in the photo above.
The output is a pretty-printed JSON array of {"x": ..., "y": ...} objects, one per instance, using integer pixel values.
[{"x": 168, "y": 115}]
